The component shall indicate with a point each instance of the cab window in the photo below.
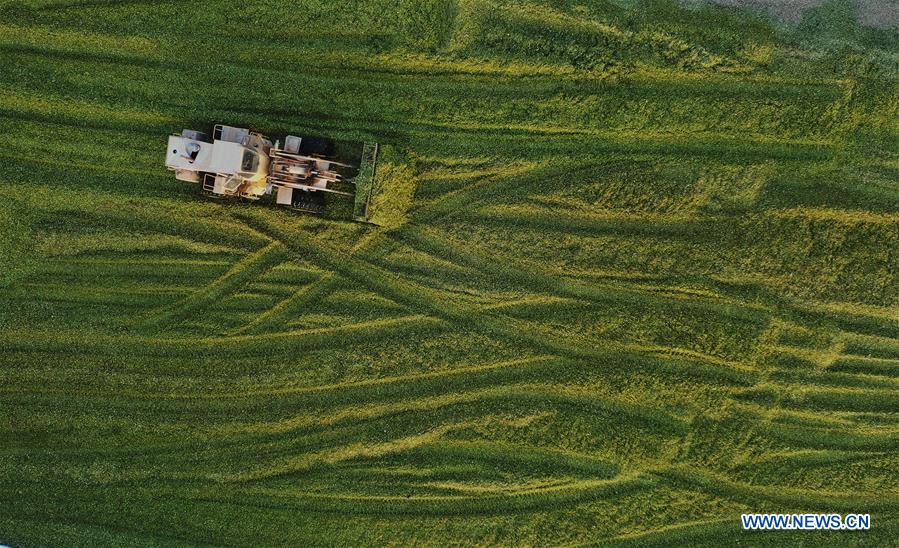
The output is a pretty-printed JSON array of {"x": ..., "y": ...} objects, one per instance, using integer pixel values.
[{"x": 250, "y": 162}]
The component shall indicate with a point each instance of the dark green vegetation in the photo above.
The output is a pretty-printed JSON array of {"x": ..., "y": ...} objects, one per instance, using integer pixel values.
[{"x": 636, "y": 274}]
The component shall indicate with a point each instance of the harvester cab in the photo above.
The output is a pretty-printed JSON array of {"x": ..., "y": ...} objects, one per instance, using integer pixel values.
[
  {"x": 233, "y": 163},
  {"x": 237, "y": 162}
]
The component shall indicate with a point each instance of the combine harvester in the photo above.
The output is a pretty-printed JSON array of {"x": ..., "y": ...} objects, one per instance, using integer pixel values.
[{"x": 240, "y": 163}]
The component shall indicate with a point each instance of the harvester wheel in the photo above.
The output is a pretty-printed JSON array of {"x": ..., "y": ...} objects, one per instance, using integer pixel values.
[{"x": 309, "y": 202}]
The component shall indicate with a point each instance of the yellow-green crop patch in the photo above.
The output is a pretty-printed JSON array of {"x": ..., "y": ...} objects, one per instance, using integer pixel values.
[{"x": 632, "y": 270}]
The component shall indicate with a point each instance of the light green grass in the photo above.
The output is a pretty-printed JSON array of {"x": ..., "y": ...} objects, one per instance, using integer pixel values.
[{"x": 634, "y": 271}]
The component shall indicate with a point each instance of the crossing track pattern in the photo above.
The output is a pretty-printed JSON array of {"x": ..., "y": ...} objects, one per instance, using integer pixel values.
[{"x": 632, "y": 296}]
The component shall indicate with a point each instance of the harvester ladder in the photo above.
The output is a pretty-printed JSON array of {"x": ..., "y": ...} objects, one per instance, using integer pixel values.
[{"x": 209, "y": 182}]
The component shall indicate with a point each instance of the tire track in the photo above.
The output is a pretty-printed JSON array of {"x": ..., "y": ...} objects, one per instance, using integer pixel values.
[{"x": 253, "y": 265}]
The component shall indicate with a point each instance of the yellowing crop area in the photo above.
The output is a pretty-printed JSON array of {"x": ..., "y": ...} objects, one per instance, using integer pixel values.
[{"x": 637, "y": 273}]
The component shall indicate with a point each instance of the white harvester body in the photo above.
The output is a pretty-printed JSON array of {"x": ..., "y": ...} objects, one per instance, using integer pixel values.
[{"x": 241, "y": 163}]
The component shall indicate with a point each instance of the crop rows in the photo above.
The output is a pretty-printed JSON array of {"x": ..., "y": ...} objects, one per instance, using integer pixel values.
[{"x": 634, "y": 272}]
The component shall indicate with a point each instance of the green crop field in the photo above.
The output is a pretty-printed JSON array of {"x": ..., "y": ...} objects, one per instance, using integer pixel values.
[{"x": 635, "y": 272}]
